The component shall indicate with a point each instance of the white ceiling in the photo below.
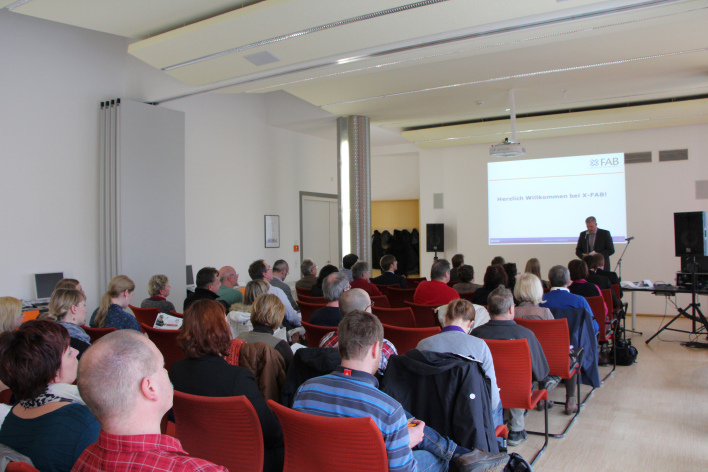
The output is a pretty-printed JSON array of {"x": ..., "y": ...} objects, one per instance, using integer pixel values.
[{"x": 430, "y": 70}]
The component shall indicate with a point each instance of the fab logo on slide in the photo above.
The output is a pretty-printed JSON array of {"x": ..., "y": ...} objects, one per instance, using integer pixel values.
[{"x": 604, "y": 162}]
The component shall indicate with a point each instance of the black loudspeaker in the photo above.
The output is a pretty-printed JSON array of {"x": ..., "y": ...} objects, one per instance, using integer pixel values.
[
  {"x": 435, "y": 237},
  {"x": 691, "y": 234}
]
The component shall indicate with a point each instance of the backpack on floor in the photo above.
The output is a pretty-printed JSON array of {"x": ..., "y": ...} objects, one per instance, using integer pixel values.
[
  {"x": 517, "y": 464},
  {"x": 626, "y": 353}
]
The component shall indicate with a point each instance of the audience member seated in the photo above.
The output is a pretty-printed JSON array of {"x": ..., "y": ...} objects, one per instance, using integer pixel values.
[
  {"x": 10, "y": 318},
  {"x": 511, "y": 274},
  {"x": 455, "y": 338},
  {"x": 111, "y": 312},
  {"x": 308, "y": 270},
  {"x": 499, "y": 260},
  {"x": 352, "y": 391},
  {"x": 529, "y": 293},
  {"x": 207, "y": 287},
  {"x": 436, "y": 291},
  {"x": 466, "y": 277},
  {"x": 205, "y": 342},
  {"x": 361, "y": 273},
  {"x": 357, "y": 299},
  {"x": 502, "y": 326},
  {"x": 70, "y": 283},
  {"x": 606, "y": 272},
  {"x": 389, "y": 264},
  {"x": 560, "y": 296},
  {"x": 267, "y": 314},
  {"x": 458, "y": 260},
  {"x": 158, "y": 289},
  {"x": 68, "y": 308},
  {"x": 324, "y": 272},
  {"x": 602, "y": 282},
  {"x": 228, "y": 279},
  {"x": 334, "y": 286},
  {"x": 347, "y": 262},
  {"x": 579, "y": 285},
  {"x": 123, "y": 380},
  {"x": 281, "y": 269},
  {"x": 260, "y": 270},
  {"x": 493, "y": 278},
  {"x": 239, "y": 316},
  {"x": 533, "y": 266},
  {"x": 50, "y": 424}
]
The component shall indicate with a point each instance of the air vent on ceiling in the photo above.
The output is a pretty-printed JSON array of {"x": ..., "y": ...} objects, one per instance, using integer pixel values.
[
  {"x": 673, "y": 155},
  {"x": 261, "y": 58},
  {"x": 637, "y": 157}
]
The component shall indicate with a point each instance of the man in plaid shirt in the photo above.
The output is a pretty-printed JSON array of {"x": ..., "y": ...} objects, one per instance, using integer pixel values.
[{"x": 124, "y": 383}]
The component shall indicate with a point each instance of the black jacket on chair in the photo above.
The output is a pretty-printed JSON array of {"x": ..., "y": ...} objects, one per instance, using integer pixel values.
[
  {"x": 449, "y": 392},
  {"x": 389, "y": 278},
  {"x": 604, "y": 283}
]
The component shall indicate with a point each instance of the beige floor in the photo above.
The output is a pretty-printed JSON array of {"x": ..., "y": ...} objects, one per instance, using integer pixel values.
[{"x": 646, "y": 417}]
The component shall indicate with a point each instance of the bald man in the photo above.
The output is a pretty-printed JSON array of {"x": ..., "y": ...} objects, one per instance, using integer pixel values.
[
  {"x": 122, "y": 379},
  {"x": 354, "y": 299},
  {"x": 229, "y": 279}
]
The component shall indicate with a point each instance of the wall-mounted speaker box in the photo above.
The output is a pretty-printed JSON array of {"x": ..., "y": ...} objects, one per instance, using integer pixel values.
[
  {"x": 691, "y": 233},
  {"x": 435, "y": 237}
]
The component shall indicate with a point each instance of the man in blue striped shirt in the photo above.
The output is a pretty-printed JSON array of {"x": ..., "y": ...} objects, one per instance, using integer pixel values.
[{"x": 352, "y": 391}]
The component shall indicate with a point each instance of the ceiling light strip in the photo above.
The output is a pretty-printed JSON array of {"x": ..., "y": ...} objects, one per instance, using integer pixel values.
[
  {"x": 558, "y": 128},
  {"x": 314, "y": 29},
  {"x": 19, "y": 3},
  {"x": 518, "y": 76}
]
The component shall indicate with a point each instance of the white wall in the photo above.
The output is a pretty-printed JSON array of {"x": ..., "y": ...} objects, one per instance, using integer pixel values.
[
  {"x": 654, "y": 192},
  {"x": 395, "y": 177}
]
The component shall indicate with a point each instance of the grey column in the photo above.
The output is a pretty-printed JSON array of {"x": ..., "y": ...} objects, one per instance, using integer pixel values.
[{"x": 354, "y": 179}]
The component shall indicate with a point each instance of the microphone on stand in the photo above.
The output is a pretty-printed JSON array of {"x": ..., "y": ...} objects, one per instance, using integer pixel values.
[{"x": 629, "y": 239}]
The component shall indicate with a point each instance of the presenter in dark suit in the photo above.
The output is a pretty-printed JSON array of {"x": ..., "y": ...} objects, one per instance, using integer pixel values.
[{"x": 595, "y": 240}]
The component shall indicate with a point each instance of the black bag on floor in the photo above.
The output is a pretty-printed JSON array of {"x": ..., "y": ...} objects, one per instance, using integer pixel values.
[
  {"x": 517, "y": 464},
  {"x": 626, "y": 353}
]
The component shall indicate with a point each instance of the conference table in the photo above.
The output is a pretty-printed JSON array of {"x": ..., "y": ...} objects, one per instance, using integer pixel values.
[{"x": 664, "y": 290}]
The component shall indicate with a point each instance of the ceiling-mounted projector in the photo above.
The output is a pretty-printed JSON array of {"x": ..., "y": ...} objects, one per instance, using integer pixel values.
[{"x": 507, "y": 148}]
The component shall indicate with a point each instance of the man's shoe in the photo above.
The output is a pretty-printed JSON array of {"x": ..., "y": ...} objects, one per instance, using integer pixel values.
[
  {"x": 549, "y": 383},
  {"x": 539, "y": 405},
  {"x": 481, "y": 461},
  {"x": 571, "y": 406},
  {"x": 516, "y": 437}
]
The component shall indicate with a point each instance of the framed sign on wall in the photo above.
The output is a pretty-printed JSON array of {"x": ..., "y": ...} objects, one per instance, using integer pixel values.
[{"x": 272, "y": 231}]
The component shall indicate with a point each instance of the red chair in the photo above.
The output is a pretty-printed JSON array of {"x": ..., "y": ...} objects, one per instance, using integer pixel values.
[
  {"x": 97, "y": 333},
  {"x": 384, "y": 288},
  {"x": 452, "y": 284},
  {"x": 145, "y": 315},
  {"x": 607, "y": 296},
  {"x": 397, "y": 296},
  {"x": 178, "y": 315},
  {"x": 616, "y": 289},
  {"x": 425, "y": 316},
  {"x": 380, "y": 301},
  {"x": 597, "y": 305},
  {"x": 401, "y": 317},
  {"x": 406, "y": 339},
  {"x": 467, "y": 296},
  {"x": 20, "y": 467},
  {"x": 166, "y": 342},
  {"x": 414, "y": 281},
  {"x": 546, "y": 290},
  {"x": 308, "y": 299},
  {"x": 352, "y": 444},
  {"x": 555, "y": 341},
  {"x": 315, "y": 333},
  {"x": 222, "y": 430},
  {"x": 512, "y": 365},
  {"x": 307, "y": 309},
  {"x": 502, "y": 432},
  {"x": 5, "y": 396},
  {"x": 303, "y": 291}
]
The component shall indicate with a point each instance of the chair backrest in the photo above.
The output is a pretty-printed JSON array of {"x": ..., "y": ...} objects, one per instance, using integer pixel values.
[
  {"x": 546, "y": 290},
  {"x": 20, "y": 467},
  {"x": 406, "y": 339},
  {"x": 401, "y": 317},
  {"x": 178, "y": 315},
  {"x": 397, "y": 296},
  {"x": 607, "y": 296},
  {"x": 380, "y": 301},
  {"x": 166, "y": 342},
  {"x": 555, "y": 341},
  {"x": 309, "y": 299},
  {"x": 597, "y": 305},
  {"x": 384, "y": 288},
  {"x": 324, "y": 443},
  {"x": 453, "y": 283},
  {"x": 425, "y": 316},
  {"x": 145, "y": 315},
  {"x": 616, "y": 289},
  {"x": 467, "y": 296},
  {"x": 315, "y": 333},
  {"x": 303, "y": 291},
  {"x": 222, "y": 430},
  {"x": 307, "y": 309},
  {"x": 97, "y": 333},
  {"x": 512, "y": 366},
  {"x": 6, "y": 396}
]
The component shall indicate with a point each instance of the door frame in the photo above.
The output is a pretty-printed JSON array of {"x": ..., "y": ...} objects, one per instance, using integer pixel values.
[{"x": 330, "y": 196}]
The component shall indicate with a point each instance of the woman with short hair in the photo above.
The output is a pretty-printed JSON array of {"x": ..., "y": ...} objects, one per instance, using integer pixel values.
[
  {"x": 68, "y": 308},
  {"x": 50, "y": 424},
  {"x": 529, "y": 292},
  {"x": 267, "y": 314},
  {"x": 205, "y": 341},
  {"x": 324, "y": 272},
  {"x": 159, "y": 289},
  {"x": 111, "y": 312}
]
